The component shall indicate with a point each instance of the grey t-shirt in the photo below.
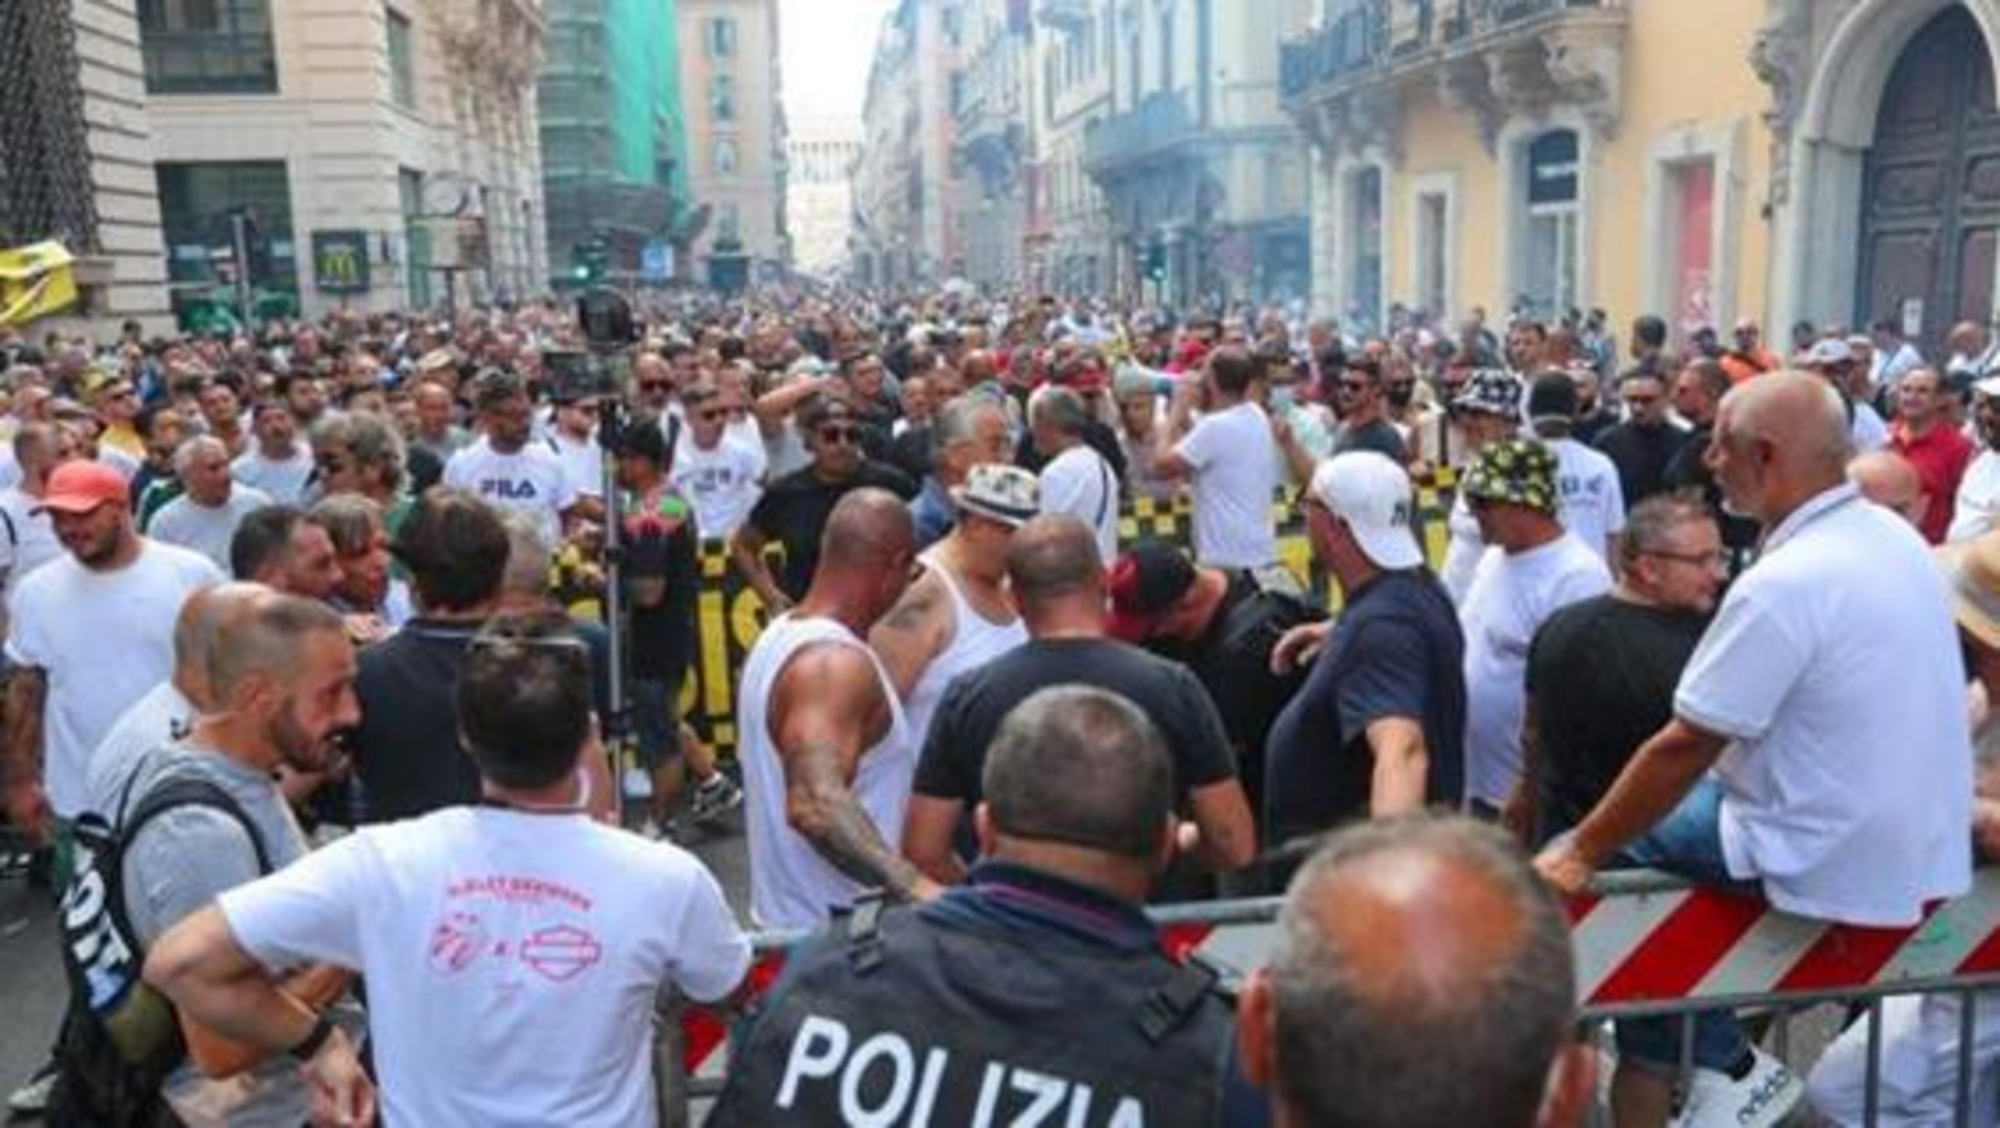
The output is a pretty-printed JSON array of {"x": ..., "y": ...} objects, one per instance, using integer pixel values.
[
  {"x": 178, "y": 864},
  {"x": 203, "y": 529}
]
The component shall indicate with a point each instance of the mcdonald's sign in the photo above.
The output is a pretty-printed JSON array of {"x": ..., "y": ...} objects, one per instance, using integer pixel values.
[{"x": 340, "y": 261}]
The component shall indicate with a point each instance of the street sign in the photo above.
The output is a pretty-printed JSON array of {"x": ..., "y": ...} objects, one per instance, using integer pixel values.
[
  {"x": 340, "y": 261},
  {"x": 656, "y": 262}
]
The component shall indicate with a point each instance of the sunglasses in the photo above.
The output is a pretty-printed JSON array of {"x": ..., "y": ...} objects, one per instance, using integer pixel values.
[
  {"x": 712, "y": 414},
  {"x": 839, "y": 434},
  {"x": 655, "y": 385}
]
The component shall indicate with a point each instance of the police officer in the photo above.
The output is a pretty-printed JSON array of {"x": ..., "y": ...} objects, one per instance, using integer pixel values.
[{"x": 1038, "y": 989}]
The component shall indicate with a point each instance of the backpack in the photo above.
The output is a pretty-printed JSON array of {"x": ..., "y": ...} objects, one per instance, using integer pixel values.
[{"x": 120, "y": 1038}]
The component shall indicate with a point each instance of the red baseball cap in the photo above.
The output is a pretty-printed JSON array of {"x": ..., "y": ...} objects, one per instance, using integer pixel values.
[
  {"x": 82, "y": 486},
  {"x": 1145, "y": 583}
]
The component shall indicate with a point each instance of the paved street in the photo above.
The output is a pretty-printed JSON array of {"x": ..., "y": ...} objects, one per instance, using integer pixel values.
[{"x": 31, "y": 980}]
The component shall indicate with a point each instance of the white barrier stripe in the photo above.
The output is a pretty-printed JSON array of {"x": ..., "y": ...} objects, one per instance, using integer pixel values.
[
  {"x": 1951, "y": 935},
  {"x": 1614, "y": 930},
  {"x": 1758, "y": 962},
  {"x": 1239, "y": 949}
]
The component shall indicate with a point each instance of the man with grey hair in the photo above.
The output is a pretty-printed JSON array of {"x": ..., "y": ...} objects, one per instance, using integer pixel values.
[
  {"x": 964, "y": 432},
  {"x": 204, "y": 519},
  {"x": 1039, "y": 984},
  {"x": 1422, "y": 979},
  {"x": 1076, "y": 479}
]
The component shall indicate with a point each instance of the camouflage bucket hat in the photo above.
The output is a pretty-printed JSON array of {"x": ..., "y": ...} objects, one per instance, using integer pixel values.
[{"x": 1515, "y": 472}]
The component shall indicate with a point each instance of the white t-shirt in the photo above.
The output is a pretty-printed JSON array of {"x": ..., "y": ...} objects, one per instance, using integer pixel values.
[
  {"x": 582, "y": 462},
  {"x": 1867, "y": 431},
  {"x": 106, "y": 640},
  {"x": 1978, "y": 510},
  {"x": 531, "y": 481},
  {"x": 1593, "y": 503},
  {"x": 791, "y": 885},
  {"x": 1462, "y": 551},
  {"x": 512, "y": 959},
  {"x": 1080, "y": 483},
  {"x": 160, "y": 718},
  {"x": 1512, "y": 595},
  {"x": 283, "y": 480},
  {"x": 27, "y": 538},
  {"x": 204, "y": 529},
  {"x": 1832, "y": 667},
  {"x": 1235, "y": 478},
  {"x": 721, "y": 482}
]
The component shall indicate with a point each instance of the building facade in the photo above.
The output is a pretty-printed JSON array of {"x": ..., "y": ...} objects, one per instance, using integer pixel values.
[
  {"x": 400, "y": 140},
  {"x": 1071, "y": 246},
  {"x": 76, "y": 154},
  {"x": 907, "y": 184},
  {"x": 736, "y": 138},
  {"x": 614, "y": 145},
  {"x": 1200, "y": 168},
  {"x": 1833, "y": 161},
  {"x": 819, "y": 188},
  {"x": 994, "y": 123}
]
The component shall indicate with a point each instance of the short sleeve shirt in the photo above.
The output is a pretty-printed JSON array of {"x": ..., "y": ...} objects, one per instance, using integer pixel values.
[
  {"x": 1235, "y": 477},
  {"x": 794, "y": 511},
  {"x": 977, "y": 702},
  {"x": 1396, "y": 651}
]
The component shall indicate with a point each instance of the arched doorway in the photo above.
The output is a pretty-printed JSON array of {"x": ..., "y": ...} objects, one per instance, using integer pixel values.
[{"x": 1931, "y": 203}]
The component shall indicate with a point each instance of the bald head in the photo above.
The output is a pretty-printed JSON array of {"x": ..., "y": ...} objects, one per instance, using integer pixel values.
[
  {"x": 1423, "y": 950},
  {"x": 866, "y": 527},
  {"x": 1890, "y": 481},
  {"x": 1796, "y": 412},
  {"x": 198, "y": 632},
  {"x": 1052, "y": 557}
]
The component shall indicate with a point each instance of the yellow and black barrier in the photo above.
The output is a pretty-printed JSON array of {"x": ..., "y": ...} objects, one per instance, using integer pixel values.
[{"x": 729, "y": 615}]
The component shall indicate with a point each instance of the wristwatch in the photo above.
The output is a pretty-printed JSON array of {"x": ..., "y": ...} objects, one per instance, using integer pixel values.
[{"x": 321, "y": 1031}]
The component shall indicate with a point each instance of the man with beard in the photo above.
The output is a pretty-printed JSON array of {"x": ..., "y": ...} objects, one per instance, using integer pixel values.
[
  {"x": 794, "y": 510},
  {"x": 1643, "y": 446},
  {"x": 282, "y": 683}
]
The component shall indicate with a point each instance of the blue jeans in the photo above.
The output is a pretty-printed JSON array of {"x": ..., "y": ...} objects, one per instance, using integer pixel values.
[{"x": 1687, "y": 843}]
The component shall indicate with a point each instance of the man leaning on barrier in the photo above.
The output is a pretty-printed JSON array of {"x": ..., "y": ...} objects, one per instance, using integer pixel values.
[{"x": 1040, "y": 985}]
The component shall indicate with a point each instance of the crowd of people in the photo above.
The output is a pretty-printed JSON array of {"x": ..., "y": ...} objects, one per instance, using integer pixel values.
[{"x": 295, "y": 680}]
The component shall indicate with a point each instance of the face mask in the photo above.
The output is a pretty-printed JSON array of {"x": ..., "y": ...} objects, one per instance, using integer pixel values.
[{"x": 1284, "y": 397}]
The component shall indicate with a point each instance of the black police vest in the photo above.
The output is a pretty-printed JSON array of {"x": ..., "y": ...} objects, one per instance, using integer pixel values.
[{"x": 921, "y": 1020}]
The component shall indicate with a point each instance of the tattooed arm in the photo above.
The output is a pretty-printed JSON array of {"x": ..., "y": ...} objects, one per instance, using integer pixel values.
[
  {"x": 21, "y": 751},
  {"x": 912, "y": 634},
  {"x": 827, "y": 709}
]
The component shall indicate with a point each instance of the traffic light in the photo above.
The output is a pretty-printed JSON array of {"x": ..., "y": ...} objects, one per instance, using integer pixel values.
[
  {"x": 589, "y": 260},
  {"x": 1156, "y": 261}
]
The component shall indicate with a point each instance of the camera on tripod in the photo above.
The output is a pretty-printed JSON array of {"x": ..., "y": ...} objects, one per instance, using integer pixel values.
[{"x": 608, "y": 329}]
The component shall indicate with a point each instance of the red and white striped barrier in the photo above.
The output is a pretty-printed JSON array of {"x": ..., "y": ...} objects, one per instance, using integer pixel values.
[{"x": 1642, "y": 944}]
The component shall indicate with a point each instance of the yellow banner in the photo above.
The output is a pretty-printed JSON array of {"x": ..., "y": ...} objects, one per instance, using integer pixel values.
[{"x": 36, "y": 281}]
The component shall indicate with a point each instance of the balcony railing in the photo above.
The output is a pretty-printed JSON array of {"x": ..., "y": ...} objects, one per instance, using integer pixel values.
[
  {"x": 1160, "y": 123},
  {"x": 1376, "y": 34}
]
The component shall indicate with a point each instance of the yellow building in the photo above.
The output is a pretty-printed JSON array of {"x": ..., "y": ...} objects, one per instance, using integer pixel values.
[{"x": 1832, "y": 160}]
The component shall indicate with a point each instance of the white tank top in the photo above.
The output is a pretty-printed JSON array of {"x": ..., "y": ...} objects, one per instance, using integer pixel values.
[
  {"x": 975, "y": 641},
  {"x": 791, "y": 886}
]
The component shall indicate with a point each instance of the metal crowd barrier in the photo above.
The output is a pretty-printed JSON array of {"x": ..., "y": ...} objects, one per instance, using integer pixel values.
[{"x": 1646, "y": 944}]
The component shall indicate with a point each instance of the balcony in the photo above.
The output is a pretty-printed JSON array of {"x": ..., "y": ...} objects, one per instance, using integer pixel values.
[
  {"x": 1137, "y": 138},
  {"x": 1063, "y": 15},
  {"x": 1495, "y": 58}
]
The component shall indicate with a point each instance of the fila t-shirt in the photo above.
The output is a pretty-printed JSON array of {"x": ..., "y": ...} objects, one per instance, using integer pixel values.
[{"x": 531, "y": 480}]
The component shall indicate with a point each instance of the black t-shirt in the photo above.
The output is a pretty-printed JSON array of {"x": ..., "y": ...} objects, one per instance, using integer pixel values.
[
  {"x": 1688, "y": 469},
  {"x": 1396, "y": 651},
  {"x": 661, "y": 545},
  {"x": 1233, "y": 661},
  {"x": 1602, "y": 675},
  {"x": 1378, "y": 435},
  {"x": 406, "y": 750},
  {"x": 407, "y": 756},
  {"x": 977, "y": 701},
  {"x": 1642, "y": 455},
  {"x": 794, "y": 510},
  {"x": 1587, "y": 427}
]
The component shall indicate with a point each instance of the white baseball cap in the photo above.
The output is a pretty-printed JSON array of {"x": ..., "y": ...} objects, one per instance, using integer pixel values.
[{"x": 1373, "y": 497}]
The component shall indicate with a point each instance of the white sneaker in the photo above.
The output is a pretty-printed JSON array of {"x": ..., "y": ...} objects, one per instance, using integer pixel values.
[
  {"x": 637, "y": 783},
  {"x": 1765, "y": 1096},
  {"x": 32, "y": 1098}
]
